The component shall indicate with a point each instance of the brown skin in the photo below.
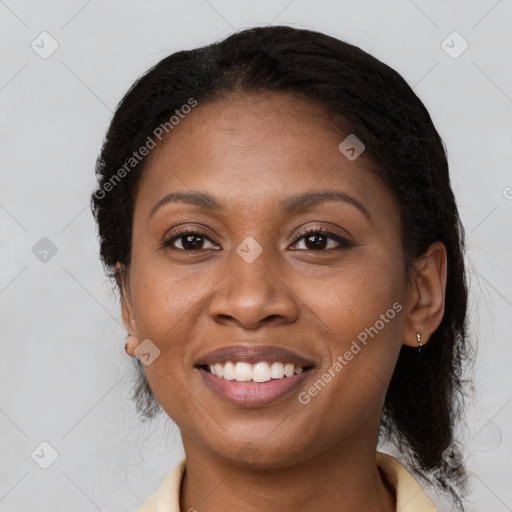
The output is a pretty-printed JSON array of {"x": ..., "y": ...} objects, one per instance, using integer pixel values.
[{"x": 250, "y": 152}]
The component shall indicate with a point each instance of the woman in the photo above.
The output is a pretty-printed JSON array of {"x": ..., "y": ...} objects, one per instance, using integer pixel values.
[{"x": 276, "y": 211}]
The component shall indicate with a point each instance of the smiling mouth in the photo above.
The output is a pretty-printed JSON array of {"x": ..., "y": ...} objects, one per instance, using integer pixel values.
[
  {"x": 249, "y": 385},
  {"x": 248, "y": 375}
]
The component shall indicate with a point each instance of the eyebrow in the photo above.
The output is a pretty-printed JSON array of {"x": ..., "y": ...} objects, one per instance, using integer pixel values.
[{"x": 291, "y": 204}]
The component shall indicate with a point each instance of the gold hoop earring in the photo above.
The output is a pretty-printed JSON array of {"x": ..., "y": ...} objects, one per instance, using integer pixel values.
[{"x": 418, "y": 338}]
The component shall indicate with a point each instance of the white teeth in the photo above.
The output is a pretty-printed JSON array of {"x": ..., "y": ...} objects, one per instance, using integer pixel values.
[
  {"x": 229, "y": 371},
  {"x": 243, "y": 371},
  {"x": 259, "y": 372},
  {"x": 289, "y": 370},
  {"x": 219, "y": 370},
  {"x": 277, "y": 370}
]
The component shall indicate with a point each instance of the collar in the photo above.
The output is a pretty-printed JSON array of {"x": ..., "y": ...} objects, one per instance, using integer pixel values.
[{"x": 410, "y": 496}]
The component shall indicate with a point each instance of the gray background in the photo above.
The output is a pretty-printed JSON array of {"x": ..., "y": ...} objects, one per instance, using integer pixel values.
[{"x": 65, "y": 376}]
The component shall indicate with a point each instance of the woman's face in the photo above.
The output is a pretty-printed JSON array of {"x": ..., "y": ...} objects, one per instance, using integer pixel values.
[{"x": 250, "y": 283}]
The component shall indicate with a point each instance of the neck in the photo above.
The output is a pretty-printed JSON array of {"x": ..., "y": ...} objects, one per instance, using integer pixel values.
[{"x": 342, "y": 479}]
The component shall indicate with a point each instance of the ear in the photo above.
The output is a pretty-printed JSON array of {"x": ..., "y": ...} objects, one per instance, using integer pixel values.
[
  {"x": 426, "y": 295},
  {"x": 123, "y": 283}
]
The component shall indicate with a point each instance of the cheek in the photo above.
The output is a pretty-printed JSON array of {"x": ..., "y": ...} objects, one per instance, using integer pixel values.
[
  {"x": 166, "y": 304},
  {"x": 359, "y": 315},
  {"x": 360, "y": 356},
  {"x": 351, "y": 299},
  {"x": 166, "y": 298},
  {"x": 168, "y": 307}
]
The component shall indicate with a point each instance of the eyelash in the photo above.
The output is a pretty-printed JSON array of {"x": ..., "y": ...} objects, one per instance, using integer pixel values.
[{"x": 344, "y": 242}]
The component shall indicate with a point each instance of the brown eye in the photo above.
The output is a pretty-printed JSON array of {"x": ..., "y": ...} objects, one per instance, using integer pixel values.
[
  {"x": 189, "y": 240},
  {"x": 317, "y": 239}
]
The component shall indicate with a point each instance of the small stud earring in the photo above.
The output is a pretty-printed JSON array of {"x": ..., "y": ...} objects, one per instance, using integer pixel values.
[
  {"x": 126, "y": 344},
  {"x": 418, "y": 338}
]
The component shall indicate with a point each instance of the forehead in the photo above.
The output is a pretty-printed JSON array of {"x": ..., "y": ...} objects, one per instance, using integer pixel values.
[
  {"x": 242, "y": 120},
  {"x": 253, "y": 148}
]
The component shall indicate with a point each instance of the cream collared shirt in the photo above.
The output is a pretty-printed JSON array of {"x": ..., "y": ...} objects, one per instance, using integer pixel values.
[{"x": 410, "y": 497}]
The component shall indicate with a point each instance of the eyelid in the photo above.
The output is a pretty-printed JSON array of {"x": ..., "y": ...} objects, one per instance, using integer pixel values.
[{"x": 324, "y": 229}]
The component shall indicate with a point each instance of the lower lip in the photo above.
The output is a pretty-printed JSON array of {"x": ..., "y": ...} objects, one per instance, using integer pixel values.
[{"x": 253, "y": 394}]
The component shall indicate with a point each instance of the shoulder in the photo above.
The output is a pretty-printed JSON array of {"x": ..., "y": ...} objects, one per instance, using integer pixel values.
[
  {"x": 410, "y": 496},
  {"x": 166, "y": 498}
]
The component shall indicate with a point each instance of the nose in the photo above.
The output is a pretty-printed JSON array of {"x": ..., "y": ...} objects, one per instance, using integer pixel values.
[{"x": 253, "y": 294}]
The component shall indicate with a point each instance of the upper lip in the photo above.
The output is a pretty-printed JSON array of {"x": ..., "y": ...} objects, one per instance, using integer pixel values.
[{"x": 253, "y": 354}]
